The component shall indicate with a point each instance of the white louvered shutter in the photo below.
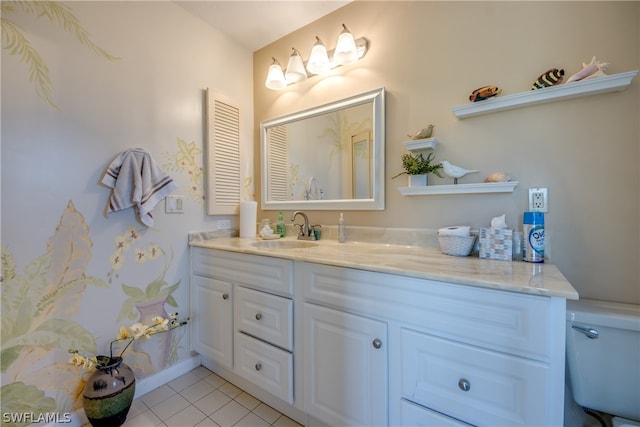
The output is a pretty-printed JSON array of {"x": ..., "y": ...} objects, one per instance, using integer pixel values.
[
  {"x": 223, "y": 154},
  {"x": 278, "y": 162}
]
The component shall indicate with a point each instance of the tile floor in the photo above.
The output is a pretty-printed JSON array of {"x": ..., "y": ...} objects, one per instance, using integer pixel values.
[{"x": 202, "y": 398}]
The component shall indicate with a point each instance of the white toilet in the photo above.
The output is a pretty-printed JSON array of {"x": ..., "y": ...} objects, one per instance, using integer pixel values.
[{"x": 603, "y": 358}]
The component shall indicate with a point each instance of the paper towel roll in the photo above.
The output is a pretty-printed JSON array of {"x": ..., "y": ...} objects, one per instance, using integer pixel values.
[
  {"x": 456, "y": 230},
  {"x": 248, "y": 218}
]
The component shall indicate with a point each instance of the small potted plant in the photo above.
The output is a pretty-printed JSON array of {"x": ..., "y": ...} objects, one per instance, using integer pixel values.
[{"x": 417, "y": 167}]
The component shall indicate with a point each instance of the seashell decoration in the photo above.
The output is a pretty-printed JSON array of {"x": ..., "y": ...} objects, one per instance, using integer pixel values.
[
  {"x": 498, "y": 177},
  {"x": 590, "y": 70}
]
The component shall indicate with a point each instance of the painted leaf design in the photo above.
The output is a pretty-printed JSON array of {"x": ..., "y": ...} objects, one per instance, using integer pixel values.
[
  {"x": 132, "y": 291},
  {"x": 8, "y": 266},
  {"x": 62, "y": 333},
  {"x": 70, "y": 247},
  {"x": 60, "y": 377},
  {"x": 17, "y": 44},
  {"x": 31, "y": 301},
  {"x": 14, "y": 295},
  {"x": 20, "y": 398}
]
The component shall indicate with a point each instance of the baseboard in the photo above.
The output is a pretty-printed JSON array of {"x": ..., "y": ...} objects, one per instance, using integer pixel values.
[
  {"x": 150, "y": 383},
  {"x": 143, "y": 386}
]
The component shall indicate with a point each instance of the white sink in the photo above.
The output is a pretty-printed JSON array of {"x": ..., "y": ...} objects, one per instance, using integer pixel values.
[{"x": 284, "y": 244}]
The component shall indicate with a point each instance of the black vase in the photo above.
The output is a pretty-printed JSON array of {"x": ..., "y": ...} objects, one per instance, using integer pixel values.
[{"x": 109, "y": 392}]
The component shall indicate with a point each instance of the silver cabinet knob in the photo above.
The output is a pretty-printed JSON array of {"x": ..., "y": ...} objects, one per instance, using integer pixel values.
[
  {"x": 464, "y": 385},
  {"x": 258, "y": 366},
  {"x": 258, "y": 316},
  {"x": 376, "y": 343},
  {"x": 225, "y": 296}
]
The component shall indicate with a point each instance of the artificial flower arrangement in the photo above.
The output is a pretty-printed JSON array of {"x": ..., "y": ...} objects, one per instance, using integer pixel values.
[{"x": 129, "y": 334}]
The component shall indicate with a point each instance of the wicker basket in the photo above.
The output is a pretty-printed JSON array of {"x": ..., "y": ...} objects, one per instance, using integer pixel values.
[{"x": 457, "y": 245}]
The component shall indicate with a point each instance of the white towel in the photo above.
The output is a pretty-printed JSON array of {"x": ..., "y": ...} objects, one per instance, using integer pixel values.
[
  {"x": 313, "y": 191},
  {"x": 137, "y": 181}
]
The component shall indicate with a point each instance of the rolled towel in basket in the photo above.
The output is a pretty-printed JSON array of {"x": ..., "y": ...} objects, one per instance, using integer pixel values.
[{"x": 456, "y": 230}]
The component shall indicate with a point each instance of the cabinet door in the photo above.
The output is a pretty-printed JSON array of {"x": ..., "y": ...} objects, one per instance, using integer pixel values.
[
  {"x": 211, "y": 317},
  {"x": 345, "y": 360}
]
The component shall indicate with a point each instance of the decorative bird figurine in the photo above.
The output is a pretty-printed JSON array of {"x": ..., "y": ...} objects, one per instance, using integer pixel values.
[
  {"x": 422, "y": 133},
  {"x": 454, "y": 171}
]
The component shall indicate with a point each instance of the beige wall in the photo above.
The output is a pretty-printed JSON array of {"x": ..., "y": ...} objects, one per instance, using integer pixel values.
[{"x": 431, "y": 55}]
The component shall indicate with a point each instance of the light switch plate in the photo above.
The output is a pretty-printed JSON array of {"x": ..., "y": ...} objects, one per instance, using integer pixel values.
[{"x": 174, "y": 204}]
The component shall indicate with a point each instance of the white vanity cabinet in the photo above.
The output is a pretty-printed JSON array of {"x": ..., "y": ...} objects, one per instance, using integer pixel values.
[
  {"x": 242, "y": 312},
  {"x": 456, "y": 354},
  {"x": 343, "y": 346}
]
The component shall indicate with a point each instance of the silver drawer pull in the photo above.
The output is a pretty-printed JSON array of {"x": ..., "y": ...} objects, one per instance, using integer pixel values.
[
  {"x": 258, "y": 366},
  {"x": 589, "y": 332},
  {"x": 464, "y": 385},
  {"x": 376, "y": 343},
  {"x": 258, "y": 316},
  {"x": 225, "y": 296}
]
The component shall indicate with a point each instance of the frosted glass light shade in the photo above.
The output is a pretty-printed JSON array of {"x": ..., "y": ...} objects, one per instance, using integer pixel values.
[
  {"x": 295, "y": 68},
  {"x": 318, "y": 60},
  {"x": 275, "y": 76},
  {"x": 346, "y": 51}
]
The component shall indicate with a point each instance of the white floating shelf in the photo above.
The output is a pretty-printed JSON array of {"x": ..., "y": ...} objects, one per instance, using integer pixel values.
[
  {"x": 421, "y": 144},
  {"x": 476, "y": 188},
  {"x": 614, "y": 82}
]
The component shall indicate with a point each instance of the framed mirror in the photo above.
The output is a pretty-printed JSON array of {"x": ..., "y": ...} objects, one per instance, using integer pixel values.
[{"x": 329, "y": 157}]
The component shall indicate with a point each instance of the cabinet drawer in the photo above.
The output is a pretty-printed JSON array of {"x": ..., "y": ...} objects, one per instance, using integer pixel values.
[
  {"x": 265, "y": 365},
  {"x": 473, "y": 384},
  {"x": 261, "y": 272},
  {"x": 419, "y": 416},
  {"x": 503, "y": 321},
  {"x": 265, "y": 316}
]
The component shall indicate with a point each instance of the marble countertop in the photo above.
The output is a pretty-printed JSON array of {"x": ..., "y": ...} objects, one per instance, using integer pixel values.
[{"x": 413, "y": 261}]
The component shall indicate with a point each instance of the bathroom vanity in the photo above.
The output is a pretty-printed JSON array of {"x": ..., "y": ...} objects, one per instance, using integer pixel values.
[{"x": 368, "y": 334}]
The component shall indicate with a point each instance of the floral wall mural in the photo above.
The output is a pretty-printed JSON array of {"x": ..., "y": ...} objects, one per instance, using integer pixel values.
[
  {"x": 187, "y": 160},
  {"x": 38, "y": 307},
  {"x": 71, "y": 277},
  {"x": 146, "y": 301},
  {"x": 17, "y": 43},
  {"x": 37, "y": 320}
]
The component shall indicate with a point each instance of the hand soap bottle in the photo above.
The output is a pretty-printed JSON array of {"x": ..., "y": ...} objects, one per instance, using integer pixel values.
[
  {"x": 281, "y": 228},
  {"x": 341, "y": 232}
]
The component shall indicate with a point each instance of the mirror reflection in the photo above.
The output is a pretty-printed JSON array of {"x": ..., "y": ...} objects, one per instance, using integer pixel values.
[{"x": 328, "y": 157}]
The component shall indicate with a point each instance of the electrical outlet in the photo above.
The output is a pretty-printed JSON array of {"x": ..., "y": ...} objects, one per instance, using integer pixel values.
[
  {"x": 224, "y": 224},
  {"x": 538, "y": 200}
]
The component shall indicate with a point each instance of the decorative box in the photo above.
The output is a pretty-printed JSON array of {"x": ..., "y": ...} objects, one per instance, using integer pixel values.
[{"x": 496, "y": 243}]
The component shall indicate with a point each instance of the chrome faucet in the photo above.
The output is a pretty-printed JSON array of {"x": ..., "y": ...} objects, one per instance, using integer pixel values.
[{"x": 306, "y": 233}]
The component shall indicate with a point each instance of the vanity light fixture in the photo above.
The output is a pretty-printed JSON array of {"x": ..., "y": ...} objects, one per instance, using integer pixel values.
[
  {"x": 320, "y": 61},
  {"x": 346, "y": 51},
  {"x": 275, "y": 76},
  {"x": 295, "y": 68}
]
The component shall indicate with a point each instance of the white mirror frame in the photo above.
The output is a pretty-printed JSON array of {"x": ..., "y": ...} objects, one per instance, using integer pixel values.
[{"x": 377, "y": 202}]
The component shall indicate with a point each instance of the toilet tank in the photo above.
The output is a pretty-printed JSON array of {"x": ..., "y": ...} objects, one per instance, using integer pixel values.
[{"x": 604, "y": 372}]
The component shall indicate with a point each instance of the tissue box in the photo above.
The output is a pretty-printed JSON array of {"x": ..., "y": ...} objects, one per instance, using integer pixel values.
[{"x": 496, "y": 243}]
